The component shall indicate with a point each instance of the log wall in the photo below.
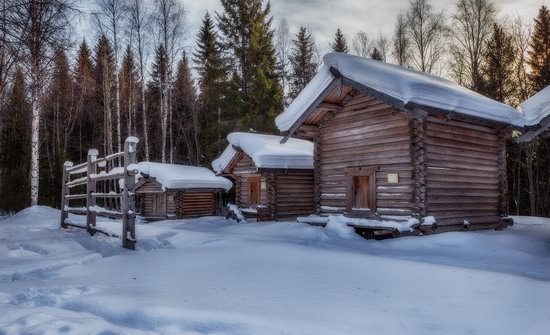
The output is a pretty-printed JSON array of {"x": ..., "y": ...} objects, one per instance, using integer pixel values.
[
  {"x": 293, "y": 194},
  {"x": 364, "y": 133},
  {"x": 465, "y": 173},
  {"x": 195, "y": 204},
  {"x": 179, "y": 204}
]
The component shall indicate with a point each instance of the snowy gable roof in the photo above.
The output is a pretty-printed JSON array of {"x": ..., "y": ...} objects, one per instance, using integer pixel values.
[
  {"x": 536, "y": 108},
  {"x": 404, "y": 85},
  {"x": 267, "y": 152},
  {"x": 172, "y": 176}
]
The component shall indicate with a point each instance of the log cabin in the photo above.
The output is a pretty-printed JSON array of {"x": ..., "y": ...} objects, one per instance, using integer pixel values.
[
  {"x": 273, "y": 181},
  {"x": 391, "y": 142},
  {"x": 169, "y": 191}
]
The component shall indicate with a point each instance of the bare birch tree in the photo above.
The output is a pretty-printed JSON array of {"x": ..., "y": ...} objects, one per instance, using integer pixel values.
[
  {"x": 382, "y": 44},
  {"x": 42, "y": 27},
  {"x": 140, "y": 25},
  {"x": 361, "y": 45},
  {"x": 401, "y": 42},
  {"x": 283, "y": 42},
  {"x": 426, "y": 31},
  {"x": 170, "y": 23},
  {"x": 472, "y": 26},
  {"x": 110, "y": 17}
]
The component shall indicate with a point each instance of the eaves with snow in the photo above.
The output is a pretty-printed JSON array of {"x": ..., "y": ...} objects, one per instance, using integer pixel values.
[
  {"x": 403, "y": 88},
  {"x": 267, "y": 152},
  {"x": 180, "y": 177}
]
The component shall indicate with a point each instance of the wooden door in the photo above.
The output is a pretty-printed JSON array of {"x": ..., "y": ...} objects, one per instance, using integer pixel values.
[
  {"x": 362, "y": 193},
  {"x": 159, "y": 203},
  {"x": 255, "y": 190}
]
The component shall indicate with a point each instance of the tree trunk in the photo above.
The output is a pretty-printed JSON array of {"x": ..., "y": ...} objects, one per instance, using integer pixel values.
[{"x": 530, "y": 155}]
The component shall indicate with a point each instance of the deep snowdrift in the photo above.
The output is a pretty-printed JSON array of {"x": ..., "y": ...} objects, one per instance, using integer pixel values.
[{"x": 213, "y": 276}]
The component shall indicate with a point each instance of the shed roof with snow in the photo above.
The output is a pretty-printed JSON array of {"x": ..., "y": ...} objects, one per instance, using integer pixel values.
[
  {"x": 536, "y": 108},
  {"x": 267, "y": 152},
  {"x": 403, "y": 88},
  {"x": 176, "y": 177}
]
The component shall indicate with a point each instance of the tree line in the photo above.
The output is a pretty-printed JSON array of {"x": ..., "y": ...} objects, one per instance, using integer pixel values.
[{"x": 137, "y": 74}]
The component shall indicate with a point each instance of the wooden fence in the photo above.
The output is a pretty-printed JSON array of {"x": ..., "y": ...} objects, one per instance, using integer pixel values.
[{"x": 106, "y": 188}]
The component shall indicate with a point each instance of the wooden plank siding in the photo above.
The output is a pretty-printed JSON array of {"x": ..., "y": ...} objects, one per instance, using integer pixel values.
[
  {"x": 365, "y": 133},
  {"x": 464, "y": 173}
]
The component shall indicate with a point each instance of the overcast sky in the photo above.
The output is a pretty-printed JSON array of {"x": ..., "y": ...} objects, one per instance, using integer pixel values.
[
  {"x": 371, "y": 16},
  {"x": 323, "y": 17}
]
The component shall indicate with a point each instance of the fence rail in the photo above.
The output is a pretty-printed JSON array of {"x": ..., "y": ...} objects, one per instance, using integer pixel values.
[{"x": 110, "y": 190}]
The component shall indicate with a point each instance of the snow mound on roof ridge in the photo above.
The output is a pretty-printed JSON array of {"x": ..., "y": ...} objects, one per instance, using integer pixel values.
[
  {"x": 537, "y": 107},
  {"x": 267, "y": 151},
  {"x": 405, "y": 85},
  {"x": 173, "y": 176}
]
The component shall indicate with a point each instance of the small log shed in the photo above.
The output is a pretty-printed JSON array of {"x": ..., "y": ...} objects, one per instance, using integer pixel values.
[
  {"x": 391, "y": 141},
  {"x": 274, "y": 181},
  {"x": 169, "y": 191}
]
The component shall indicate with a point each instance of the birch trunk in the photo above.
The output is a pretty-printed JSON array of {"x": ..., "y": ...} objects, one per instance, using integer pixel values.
[{"x": 35, "y": 136}]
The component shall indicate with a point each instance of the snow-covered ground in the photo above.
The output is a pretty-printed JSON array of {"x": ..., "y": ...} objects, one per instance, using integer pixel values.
[{"x": 211, "y": 276}]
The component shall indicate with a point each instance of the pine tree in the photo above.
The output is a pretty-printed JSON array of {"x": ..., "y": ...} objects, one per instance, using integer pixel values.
[
  {"x": 376, "y": 55},
  {"x": 186, "y": 117},
  {"x": 246, "y": 28},
  {"x": 339, "y": 44},
  {"x": 15, "y": 152},
  {"x": 104, "y": 69},
  {"x": 213, "y": 85},
  {"x": 539, "y": 53},
  {"x": 302, "y": 60},
  {"x": 499, "y": 61}
]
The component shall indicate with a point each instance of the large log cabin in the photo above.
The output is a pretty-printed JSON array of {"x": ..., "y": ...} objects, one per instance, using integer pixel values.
[
  {"x": 169, "y": 191},
  {"x": 273, "y": 181},
  {"x": 390, "y": 141}
]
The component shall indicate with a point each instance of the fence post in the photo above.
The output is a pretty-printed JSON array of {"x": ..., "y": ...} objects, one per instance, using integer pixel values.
[
  {"x": 91, "y": 168},
  {"x": 64, "y": 192},
  {"x": 128, "y": 197}
]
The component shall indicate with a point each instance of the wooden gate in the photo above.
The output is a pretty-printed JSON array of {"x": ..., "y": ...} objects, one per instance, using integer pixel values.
[{"x": 107, "y": 188}]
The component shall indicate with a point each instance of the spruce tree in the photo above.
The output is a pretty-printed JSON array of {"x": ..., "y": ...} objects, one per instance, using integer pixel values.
[
  {"x": 186, "y": 117},
  {"x": 246, "y": 28},
  {"x": 213, "y": 84},
  {"x": 376, "y": 55},
  {"x": 87, "y": 129},
  {"x": 15, "y": 154},
  {"x": 339, "y": 44},
  {"x": 302, "y": 61},
  {"x": 158, "y": 109},
  {"x": 539, "y": 53},
  {"x": 58, "y": 122},
  {"x": 499, "y": 61},
  {"x": 104, "y": 69},
  {"x": 128, "y": 85}
]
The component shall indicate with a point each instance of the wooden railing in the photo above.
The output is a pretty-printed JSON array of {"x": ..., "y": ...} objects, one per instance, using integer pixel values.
[{"x": 107, "y": 188}]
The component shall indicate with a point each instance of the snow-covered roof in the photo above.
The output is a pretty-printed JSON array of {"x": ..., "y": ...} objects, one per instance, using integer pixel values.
[
  {"x": 536, "y": 108},
  {"x": 267, "y": 152},
  {"x": 172, "y": 176},
  {"x": 404, "y": 85}
]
